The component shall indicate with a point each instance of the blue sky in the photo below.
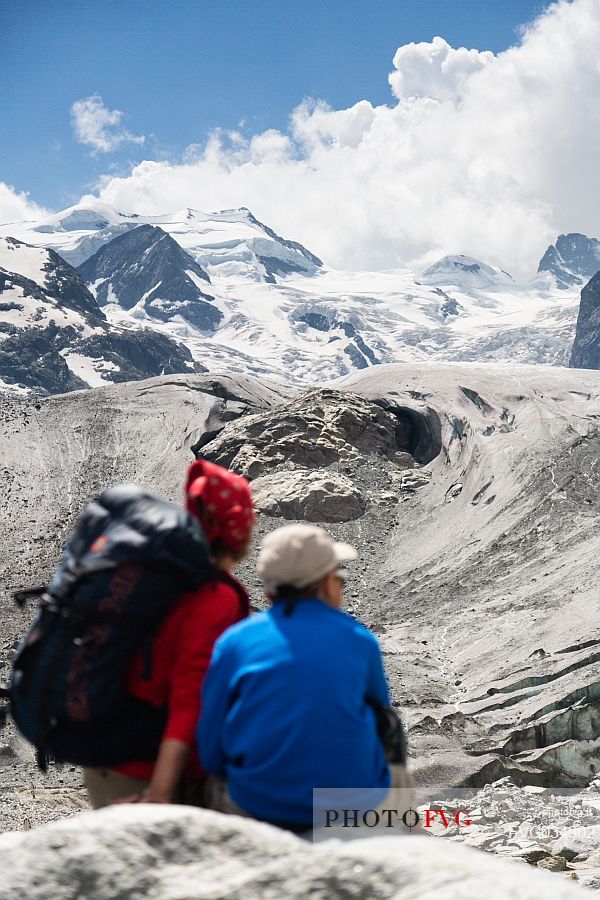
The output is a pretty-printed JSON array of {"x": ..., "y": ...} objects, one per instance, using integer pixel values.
[{"x": 178, "y": 69}]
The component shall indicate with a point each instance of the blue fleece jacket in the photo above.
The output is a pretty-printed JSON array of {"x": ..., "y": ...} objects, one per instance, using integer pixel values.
[{"x": 284, "y": 710}]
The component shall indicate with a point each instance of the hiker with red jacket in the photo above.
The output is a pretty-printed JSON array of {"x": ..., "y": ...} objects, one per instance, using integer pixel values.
[{"x": 181, "y": 651}]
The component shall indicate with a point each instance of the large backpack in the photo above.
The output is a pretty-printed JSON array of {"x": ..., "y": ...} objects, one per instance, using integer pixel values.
[{"x": 129, "y": 558}]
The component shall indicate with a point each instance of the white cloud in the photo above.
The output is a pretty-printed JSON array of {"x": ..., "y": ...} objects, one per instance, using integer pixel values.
[
  {"x": 16, "y": 206},
  {"x": 434, "y": 70},
  {"x": 98, "y": 127},
  {"x": 483, "y": 154}
]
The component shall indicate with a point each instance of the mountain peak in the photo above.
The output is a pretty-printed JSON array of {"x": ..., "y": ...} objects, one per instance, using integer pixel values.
[
  {"x": 572, "y": 260},
  {"x": 147, "y": 268},
  {"x": 464, "y": 271},
  {"x": 90, "y": 214}
]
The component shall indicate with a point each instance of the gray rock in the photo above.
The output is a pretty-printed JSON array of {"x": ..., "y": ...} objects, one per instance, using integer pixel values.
[
  {"x": 531, "y": 854},
  {"x": 174, "y": 852},
  {"x": 404, "y": 460},
  {"x": 309, "y": 495},
  {"x": 7, "y": 754},
  {"x": 586, "y": 347},
  {"x": 573, "y": 841},
  {"x": 553, "y": 863},
  {"x": 413, "y": 480},
  {"x": 318, "y": 429}
]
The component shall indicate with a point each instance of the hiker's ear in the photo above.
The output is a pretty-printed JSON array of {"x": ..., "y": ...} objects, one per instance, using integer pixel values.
[{"x": 331, "y": 589}]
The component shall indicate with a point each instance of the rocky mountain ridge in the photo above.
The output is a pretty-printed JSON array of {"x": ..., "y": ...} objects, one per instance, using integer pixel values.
[
  {"x": 54, "y": 337},
  {"x": 573, "y": 260},
  {"x": 147, "y": 270},
  {"x": 278, "y": 311}
]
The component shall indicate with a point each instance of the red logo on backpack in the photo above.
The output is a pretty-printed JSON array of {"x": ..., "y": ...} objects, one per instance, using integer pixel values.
[{"x": 99, "y": 544}]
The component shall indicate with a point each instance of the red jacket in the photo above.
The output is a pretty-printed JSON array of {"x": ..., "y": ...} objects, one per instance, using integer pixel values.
[{"x": 181, "y": 654}]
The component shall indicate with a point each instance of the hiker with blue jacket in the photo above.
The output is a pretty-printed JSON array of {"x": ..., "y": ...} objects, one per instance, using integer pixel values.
[{"x": 291, "y": 696}]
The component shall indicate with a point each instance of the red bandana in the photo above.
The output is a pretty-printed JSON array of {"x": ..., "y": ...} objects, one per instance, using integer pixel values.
[{"x": 222, "y": 501}]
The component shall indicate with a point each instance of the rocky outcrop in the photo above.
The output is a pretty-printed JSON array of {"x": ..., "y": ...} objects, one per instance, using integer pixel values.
[
  {"x": 318, "y": 457},
  {"x": 312, "y": 496},
  {"x": 146, "y": 266},
  {"x": 173, "y": 852},
  {"x": 31, "y": 359},
  {"x": 53, "y": 360},
  {"x": 572, "y": 260},
  {"x": 319, "y": 429},
  {"x": 586, "y": 347}
]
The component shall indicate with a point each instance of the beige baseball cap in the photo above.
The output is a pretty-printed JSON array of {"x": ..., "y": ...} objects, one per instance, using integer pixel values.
[{"x": 299, "y": 555}]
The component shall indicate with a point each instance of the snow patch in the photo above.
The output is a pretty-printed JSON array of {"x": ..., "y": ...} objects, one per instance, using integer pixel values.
[
  {"x": 29, "y": 262},
  {"x": 89, "y": 369}
]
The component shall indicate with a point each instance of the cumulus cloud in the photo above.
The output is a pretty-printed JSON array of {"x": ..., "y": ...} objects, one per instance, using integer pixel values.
[
  {"x": 16, "y": 206},
  {"x": 98, "y": 127},
  {"x": 434, "y": 69},
  {"x": 483, "y": 154}
]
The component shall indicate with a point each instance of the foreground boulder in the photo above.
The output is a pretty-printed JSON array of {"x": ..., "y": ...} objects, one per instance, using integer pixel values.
[{"x": 174, "y": 853}]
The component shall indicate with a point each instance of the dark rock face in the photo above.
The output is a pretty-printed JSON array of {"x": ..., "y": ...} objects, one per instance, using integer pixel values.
[
  {"x": 572, "y": 260},
  {"x": 315, "y": 320},
  {"x": 66, "y": 286},
  {"x": 147, "y": 264},
  {"x": 39, "y": 342},
  {"x": 31, "y": 359},
  {"x": 140, "y": 354},
  {"x": 586, "y": 349},
  {"x": 360, "y": 354}
]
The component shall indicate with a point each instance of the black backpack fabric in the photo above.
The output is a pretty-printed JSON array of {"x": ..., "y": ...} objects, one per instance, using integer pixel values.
[
  {"x": 130, "y": 557},
  {"x": 391, "y": 732}
]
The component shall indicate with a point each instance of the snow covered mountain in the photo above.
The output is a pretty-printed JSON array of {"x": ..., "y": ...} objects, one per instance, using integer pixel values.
[
  {"x": 231, "y": 243},
  {"x": 573, "y": 260},
  {"x": 243, "y": 299},
  {"x": 54, "y": 337},
  {"x": 464, "y": 271},
  {"x": 147, "y": 270}
]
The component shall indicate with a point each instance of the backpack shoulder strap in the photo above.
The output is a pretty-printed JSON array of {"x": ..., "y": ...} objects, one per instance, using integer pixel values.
[{"x": 225, "y": 578}]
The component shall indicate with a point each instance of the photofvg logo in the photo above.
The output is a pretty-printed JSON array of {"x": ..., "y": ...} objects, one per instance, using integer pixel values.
[
  {"x": 351, "y": 813},
  {"x": 385, "y": 817}
]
